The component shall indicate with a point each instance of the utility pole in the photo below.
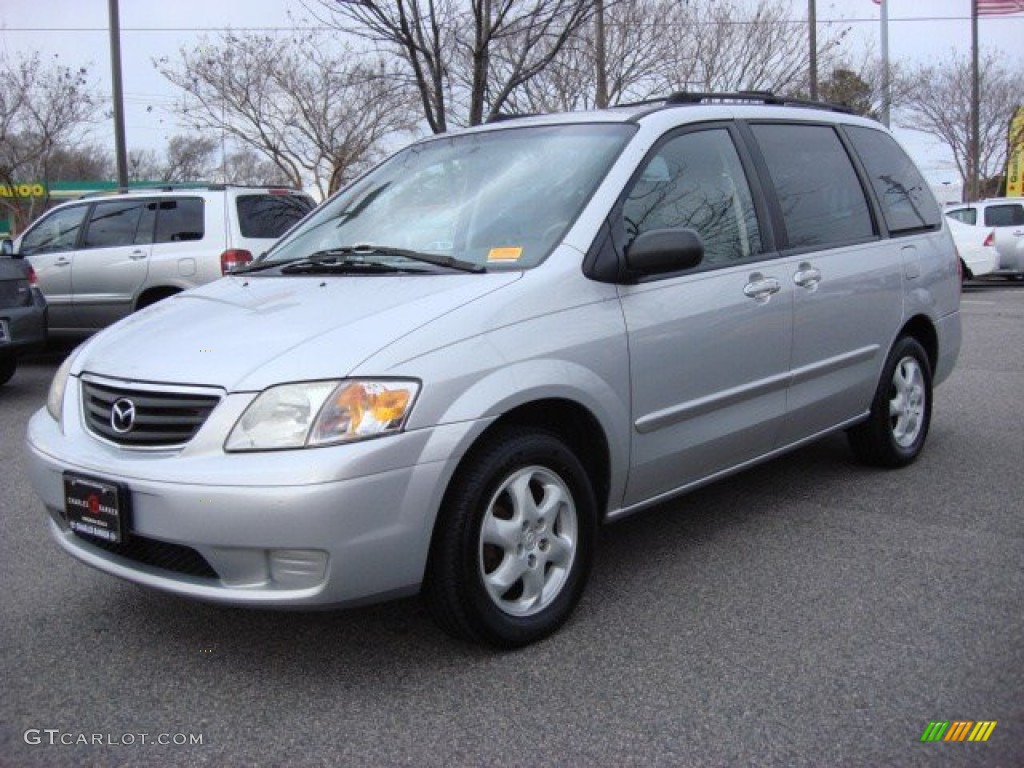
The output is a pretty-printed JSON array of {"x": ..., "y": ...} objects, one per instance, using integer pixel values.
[
  {"x": 886, "y": 84},
  {"x": 973, "y": 172},
  {"x": 601, "y": 97},
  {"x": 812, "y": 37},
  {"x": 115, "y": 77}
]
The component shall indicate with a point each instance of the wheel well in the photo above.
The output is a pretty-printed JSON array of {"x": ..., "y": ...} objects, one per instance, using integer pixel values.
[
  {"x": 966, "y": 271},
  {"x": 153, "y": 295},
  {"x": 574, "y": 424},
  {"x": 921, "y": 329}
]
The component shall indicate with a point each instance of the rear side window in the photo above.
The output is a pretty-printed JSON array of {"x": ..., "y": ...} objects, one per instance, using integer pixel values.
[
  {"x": 179, "y": 219},
  {"x": 966, "y": 215},
  {"x": 270, "y": 216},
  {"x": 822, "y": 201},
  {"x": 907, "y": 202},
  {"x": 114, "y": 223},
  {"x": 1004, "y": 215}
]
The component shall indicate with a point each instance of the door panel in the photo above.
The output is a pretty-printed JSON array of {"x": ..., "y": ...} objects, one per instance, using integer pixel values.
[
  {"x": 111, "y": 265},
  {"x": 49, "y": 245},
  {"x": 709, "y": 369}
]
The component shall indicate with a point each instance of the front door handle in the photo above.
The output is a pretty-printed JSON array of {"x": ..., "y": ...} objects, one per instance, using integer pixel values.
[
  {"x": 62, "y": 261},
  {"x": 136, "y": 255},
  {"x": 761, "y": 288},
  {"x": 807, "y": 276}
]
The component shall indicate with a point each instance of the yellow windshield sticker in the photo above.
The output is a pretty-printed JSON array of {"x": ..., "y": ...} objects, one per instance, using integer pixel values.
[{"x": 504, "y": 254}]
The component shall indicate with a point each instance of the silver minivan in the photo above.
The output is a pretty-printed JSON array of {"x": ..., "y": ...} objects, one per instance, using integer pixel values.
[{"x": 453, "y": 372}]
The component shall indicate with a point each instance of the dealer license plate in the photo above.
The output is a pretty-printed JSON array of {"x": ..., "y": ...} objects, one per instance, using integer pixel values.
[{"x": 96, "y": 508}]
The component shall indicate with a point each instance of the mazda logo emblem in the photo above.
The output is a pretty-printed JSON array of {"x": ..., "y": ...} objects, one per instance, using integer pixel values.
[{"x": 122, "y": 415}]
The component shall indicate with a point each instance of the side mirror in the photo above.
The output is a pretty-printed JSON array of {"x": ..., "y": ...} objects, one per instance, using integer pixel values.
[
  {"x": 664, "y": 250},
  {"x": 7, "y": 247}
]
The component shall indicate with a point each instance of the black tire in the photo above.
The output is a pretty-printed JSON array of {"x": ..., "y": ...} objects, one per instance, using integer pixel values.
[
  {"x": 8, "y": 365},
  {"x": 552, "y": 549},
  {"x": 895, "y": 432}
]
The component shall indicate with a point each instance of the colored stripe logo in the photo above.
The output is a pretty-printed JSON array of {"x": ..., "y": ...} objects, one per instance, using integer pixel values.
[{"x": 958, "y": 730}]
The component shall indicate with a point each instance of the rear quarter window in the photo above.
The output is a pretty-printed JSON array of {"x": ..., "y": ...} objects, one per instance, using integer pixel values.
[
  {"x": 907, "y": 201},
  {"x": 270, "y": 216},
  {"x": 966, "y": 215}
]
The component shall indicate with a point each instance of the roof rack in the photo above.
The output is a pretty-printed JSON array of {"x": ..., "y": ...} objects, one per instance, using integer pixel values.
[
  {"x": 758, "y": 97},
  {"x": 182, "y": 186},
  {"x": 501, "y": 117}
]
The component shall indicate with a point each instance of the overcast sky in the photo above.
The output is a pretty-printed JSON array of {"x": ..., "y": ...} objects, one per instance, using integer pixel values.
[{"x": 76, "y": 30}]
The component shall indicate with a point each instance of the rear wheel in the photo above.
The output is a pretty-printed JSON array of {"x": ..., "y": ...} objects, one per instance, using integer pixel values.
[
  {"x": 514, "y": 542},
  {"x": 895, "y": 431}
]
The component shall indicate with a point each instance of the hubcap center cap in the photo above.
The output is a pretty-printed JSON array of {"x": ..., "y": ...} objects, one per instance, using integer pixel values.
[{"x": 530, "y": 540}]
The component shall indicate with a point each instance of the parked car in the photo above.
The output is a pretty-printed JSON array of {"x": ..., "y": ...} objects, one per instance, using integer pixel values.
[
  {"x": 449, "y": 375},
  {"x": 101, "y": 258},
  {"x": 1005, "y": 216},
  {"x": 22, "y": 314},
  {"x": 976, "y": 247}
]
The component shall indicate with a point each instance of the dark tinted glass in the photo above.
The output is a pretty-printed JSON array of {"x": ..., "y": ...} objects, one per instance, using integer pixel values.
[
  {"x": 270, "y": 216},
  {"x": 822, "y": 200},
  {"x": 114, "y": 223},
  {"x": 58, "y": 231},
  {"x": 695, "y": 181},
  {"x": 907, "y": 201},
  {"x": 1004, "y": 215},
  {"x": 180, "y": 219},
  {"x": 966, "y": 215}
]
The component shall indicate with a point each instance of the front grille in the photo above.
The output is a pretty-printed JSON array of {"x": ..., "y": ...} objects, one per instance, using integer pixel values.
[
  {"x": 159, "y": 554},
  {"x": 159, "y": 419}
]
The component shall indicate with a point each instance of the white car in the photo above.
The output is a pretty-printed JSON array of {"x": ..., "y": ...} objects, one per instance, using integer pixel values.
[
  {"x": 976, "y": 247},
  {"x": 1005, "y": 216}
]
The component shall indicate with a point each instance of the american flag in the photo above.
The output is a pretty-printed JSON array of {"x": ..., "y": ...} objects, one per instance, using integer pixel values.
[{"x": 996, "y": 7}]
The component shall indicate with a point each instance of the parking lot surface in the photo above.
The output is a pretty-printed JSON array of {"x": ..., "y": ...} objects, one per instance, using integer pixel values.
[{"x": 809, "y": 612}]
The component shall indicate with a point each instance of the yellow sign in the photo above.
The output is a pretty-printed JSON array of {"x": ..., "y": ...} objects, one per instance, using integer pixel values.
[
  {"x": 1015, "y": 155},
  {"x": 22, "y": 190}
]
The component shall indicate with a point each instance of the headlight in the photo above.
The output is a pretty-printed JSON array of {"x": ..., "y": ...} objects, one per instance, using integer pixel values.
[
  {"x": 322, "y": 413},
  {"x": 55, "y": 397}
]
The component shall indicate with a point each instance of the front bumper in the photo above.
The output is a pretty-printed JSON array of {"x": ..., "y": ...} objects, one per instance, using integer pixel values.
[{"x": 305, "y": 528}]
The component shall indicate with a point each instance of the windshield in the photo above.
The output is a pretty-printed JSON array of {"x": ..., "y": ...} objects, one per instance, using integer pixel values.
[{"x": 492, "y": 199}]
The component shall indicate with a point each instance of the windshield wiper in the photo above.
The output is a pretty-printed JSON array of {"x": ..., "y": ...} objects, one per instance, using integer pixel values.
[
  {"x": 336, "y": 260},
  {"x": 364, "y": 249}
]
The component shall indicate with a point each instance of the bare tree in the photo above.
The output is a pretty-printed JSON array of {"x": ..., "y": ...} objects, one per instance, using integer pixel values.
[
  {"x": 44, "y": 106},
  {"x": 939, "y": 104},
  {"x": 463, "y": 58},
  {"x": 320, "y": 116},
  {"x": 249, "y": 167},
  {"x": 726, "y": 47},
  {"x": 144, "y": 165},
  {"x": 623, "y": 56},
  {"x": 189, "y": 158}
]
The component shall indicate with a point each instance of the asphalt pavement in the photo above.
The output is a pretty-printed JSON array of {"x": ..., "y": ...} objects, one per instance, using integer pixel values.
[{"x": 809, "y": 612}]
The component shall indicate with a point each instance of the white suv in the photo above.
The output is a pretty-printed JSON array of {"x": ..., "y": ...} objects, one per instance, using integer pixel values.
[
  {"x": 101, "y": 258},
  {"x": 1005, "y": 215}
]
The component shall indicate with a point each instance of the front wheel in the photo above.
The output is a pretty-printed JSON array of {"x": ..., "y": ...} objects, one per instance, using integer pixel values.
[
  {"x": 514, "y": 541},
  {"x": 894, "y": 433}
]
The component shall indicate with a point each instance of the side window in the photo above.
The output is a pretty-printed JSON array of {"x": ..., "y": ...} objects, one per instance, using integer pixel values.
[
  {"x": 114, "y": 223},
  {"x": 966, "y": 215},
  {"x": 822, "y": 201},
  {"x": 695, "y": 181},
  {"x": 907, "y": 201},
  {"x": 1004, "y": 215},
  {"x": 180, "y": 219},
  {"x": 270, "y": 215},
  {"x": 55, "y": 232}
]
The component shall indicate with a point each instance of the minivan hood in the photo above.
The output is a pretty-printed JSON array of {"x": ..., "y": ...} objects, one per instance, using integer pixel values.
[{"x": 247, "y": 333}]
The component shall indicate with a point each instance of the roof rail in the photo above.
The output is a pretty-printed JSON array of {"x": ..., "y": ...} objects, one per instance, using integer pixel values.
[
  {"x": 500, "y": 117},
  {"x": 759, "y": 97},
  {"x": 180, "y": 186}
]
